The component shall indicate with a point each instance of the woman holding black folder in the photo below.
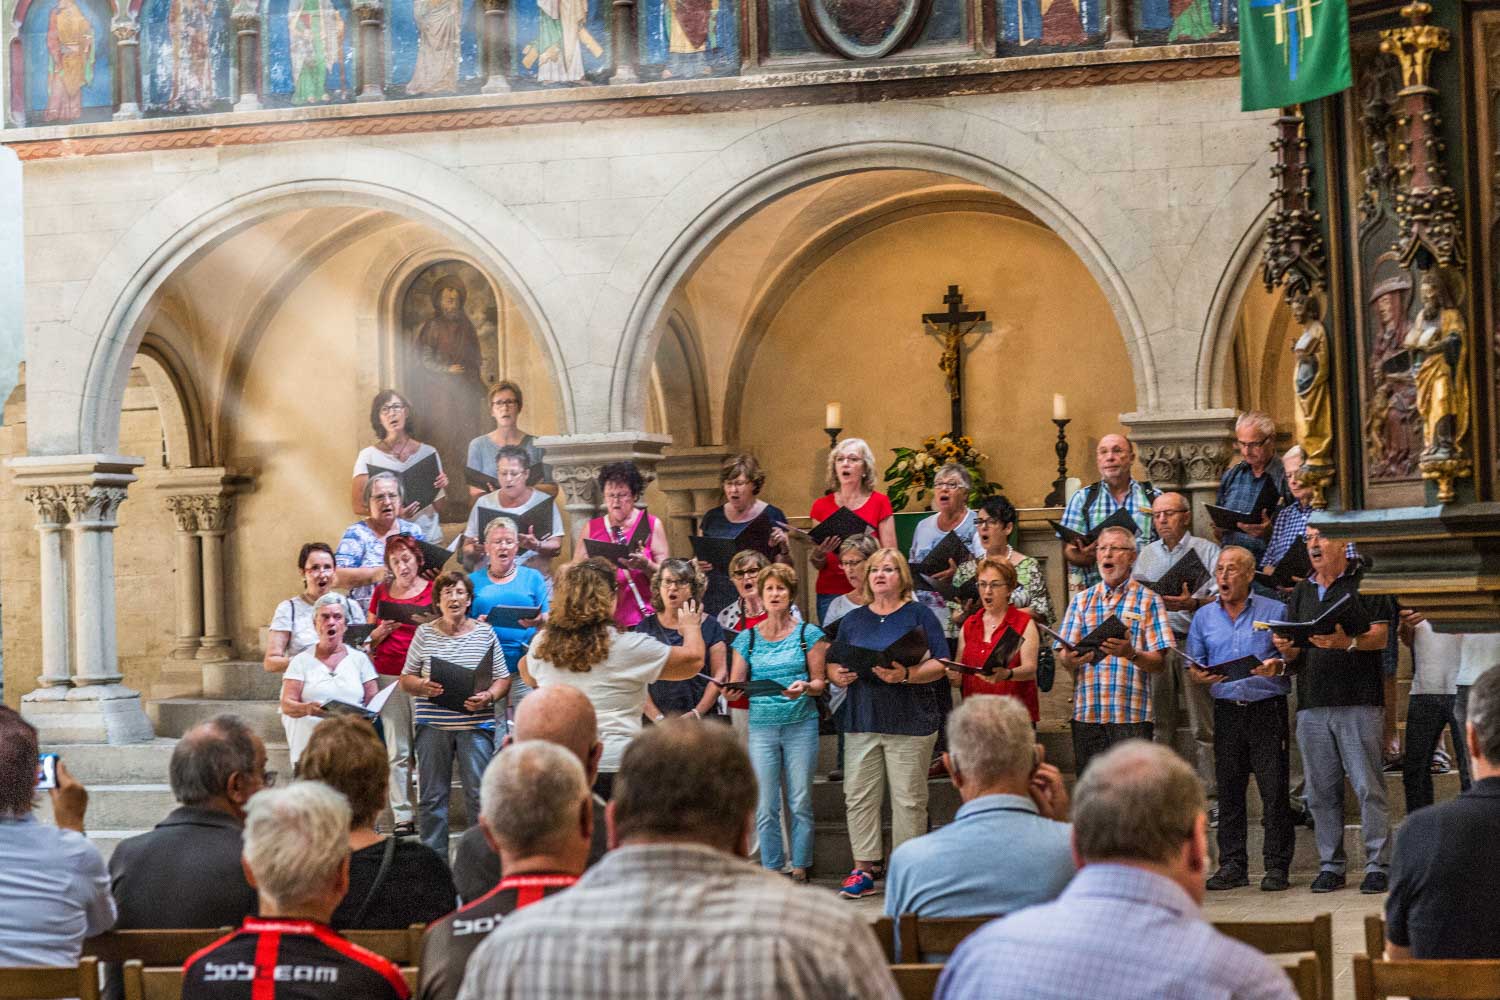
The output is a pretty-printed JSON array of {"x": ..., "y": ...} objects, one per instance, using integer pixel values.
[
  {"x": 891, "y": 715},
  {"x": 623, "y": 524},
  {"x": 396, "y": 450},
  {"x": 851, "y": 485},
  {"x": 399, "y": 605},
  {"x": 741, "y": 479},
  {"x": 329, "y": 671},
  {"x": 986, "y": 628},
  {"x": 457, "y": 723},
  {"x": 542, "y": 538}
]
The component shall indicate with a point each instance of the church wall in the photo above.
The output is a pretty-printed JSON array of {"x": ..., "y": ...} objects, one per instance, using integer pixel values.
[{"x": 852, "y": 332}]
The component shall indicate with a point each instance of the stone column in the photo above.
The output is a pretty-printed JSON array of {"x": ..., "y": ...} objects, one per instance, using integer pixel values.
[
  {"x": 622, "y": 41},
  {"x": 577, "y": 458},
  {"x": 1120, "y": 36},
  {"x": 1185, "y": 453},
  {"x": 496, "y": 49},
  {"x": 370, "y": 51},
  {"x": 213, "y": 520},
  {"x": 127, "y": 67},
  {"x": 52, "y": 515},
  {"x": 246, "y": 20},
  {"x": 93, "y": 509},
  {"x": 188, "y": 578},
  {"x": 690, "y": 479}
]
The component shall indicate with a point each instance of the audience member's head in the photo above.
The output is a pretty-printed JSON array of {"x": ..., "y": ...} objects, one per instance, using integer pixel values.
[
  {"x": 579, "y": 623},
  {"x": 537, "y": 809},
  {"x": 18, "y": 763},
  {"x": 563, "y": 715},
  {"x": 991, "y": 746},
  {"x": 297, "y": 850},
  {"x": 345, "y": 754},
  {"x": 685, "y": 783},
  {"x": 218, "y": 764},
  {"x": 1484, "y": 723},
  {"x": 1140, "y": 804}
]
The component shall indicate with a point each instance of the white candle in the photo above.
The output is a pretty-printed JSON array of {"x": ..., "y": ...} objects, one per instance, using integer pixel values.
[
  {"x": 833, "y": 416},
  {"x": 1059, "y": 406}
]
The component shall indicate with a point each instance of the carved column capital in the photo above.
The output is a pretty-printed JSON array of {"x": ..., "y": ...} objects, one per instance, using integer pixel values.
[
  {"x": 213, "y": 511},
  {"x": 576, "y": 483},
  {"x": 369, "y": 11},
  {"x": 94, "y": 506},
  {"x": 183, "y": 511},
  {"x": 50, "y": 503},
  {"x": 1205, "y": 463},
  {"x": 125, "y": 29},
  {"x": 1163, "y": 463}
]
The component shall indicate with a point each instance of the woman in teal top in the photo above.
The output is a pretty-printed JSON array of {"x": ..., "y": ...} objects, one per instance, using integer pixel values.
[{"x": 783, "y": 727}]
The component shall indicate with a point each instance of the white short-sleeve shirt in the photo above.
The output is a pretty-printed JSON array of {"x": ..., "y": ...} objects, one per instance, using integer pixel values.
[
  {"x": 346, "y": 682},
  {"x": 616, "y": 687},
  {"x": 295, "y": 616}
]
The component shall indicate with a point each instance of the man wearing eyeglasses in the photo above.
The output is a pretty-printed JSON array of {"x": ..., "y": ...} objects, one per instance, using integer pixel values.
[
  {"x": 1115, "y": 457},
  {"x": 1172, "y": 517},
  {"x": 1241, "y": 484},
  {"x": 1112, "y": 692}
]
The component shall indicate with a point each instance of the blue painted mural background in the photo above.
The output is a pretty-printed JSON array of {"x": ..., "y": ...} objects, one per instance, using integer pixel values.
[
  {"x": 282, "y": 82},
  {"x": 97, "y": 94},
  {"x": 720, "y": 54},
  {"x": 547, "y": 49},
  {"x": 402, "y": 38},
  {"x": 186, "y": 69}
]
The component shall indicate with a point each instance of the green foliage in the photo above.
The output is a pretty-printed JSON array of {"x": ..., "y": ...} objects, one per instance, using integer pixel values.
[{"x": 909, "y": 477}]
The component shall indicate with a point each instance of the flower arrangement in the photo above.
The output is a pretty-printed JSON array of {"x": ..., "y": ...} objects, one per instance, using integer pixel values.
[{"x": 909, "y": 478}]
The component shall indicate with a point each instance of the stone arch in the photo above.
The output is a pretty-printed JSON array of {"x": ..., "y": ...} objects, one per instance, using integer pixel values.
[
  {"x": 108, "y": 322},
  {"x": 183, "y": 423},
  {"x": 823, "y": 143}
]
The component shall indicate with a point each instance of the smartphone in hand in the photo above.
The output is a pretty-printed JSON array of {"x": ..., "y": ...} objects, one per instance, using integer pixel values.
[{"x": 46, "y": 772}]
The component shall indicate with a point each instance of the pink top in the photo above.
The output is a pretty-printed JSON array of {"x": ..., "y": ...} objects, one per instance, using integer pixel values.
[{"x": 630, "y": 603}]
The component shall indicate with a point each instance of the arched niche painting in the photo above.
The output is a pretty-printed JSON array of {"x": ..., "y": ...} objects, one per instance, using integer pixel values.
[
  {"x": 1166, "y": 21},
  {"x": 432, "y": 45},
  {"x": 1028, "y": 26},
  {"x": 560, "y": 41},
  {"x": 62, "y": 62},
  {"x": 187, "y": 49},
  {"x": 448, "y": 345},
  {"x": 309, "y": 51},
  {"x": 689, "y": 37}
]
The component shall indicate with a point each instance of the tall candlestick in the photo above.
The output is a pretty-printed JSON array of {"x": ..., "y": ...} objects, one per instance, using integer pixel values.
[
  {"x": 833, "y": 416},
  {"x": 1059, "y": 496},
  {"x": 1059, "y": 406}
]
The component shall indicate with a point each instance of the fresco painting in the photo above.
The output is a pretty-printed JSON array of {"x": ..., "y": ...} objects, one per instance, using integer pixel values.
[
  {"x": 66, "y": 63},
  {"x": 309, "y": 47},
  {"x": 1159, "y": 21},
  {"x": 1048, "y": 25},
  {"x": 560, "y": 41},
  {"x": 187, "y": 55},
  {"x": 432, "y": 46},
  {"x": 689, "y": 37}
]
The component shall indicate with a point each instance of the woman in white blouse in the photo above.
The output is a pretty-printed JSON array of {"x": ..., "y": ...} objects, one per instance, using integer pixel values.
[
  {"x": 329, "y": 670},
  {"x": 292, "y": 628},
  {"x": 397, "y": 450}
]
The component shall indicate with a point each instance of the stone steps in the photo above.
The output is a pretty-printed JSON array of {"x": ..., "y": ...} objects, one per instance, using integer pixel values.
[{"x": 177, "y": 715}]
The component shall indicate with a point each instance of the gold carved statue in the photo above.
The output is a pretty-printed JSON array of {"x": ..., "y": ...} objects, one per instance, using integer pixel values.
[
  {"x": 1440, "y": 360},
  {"x": 1310, "y": 379}
]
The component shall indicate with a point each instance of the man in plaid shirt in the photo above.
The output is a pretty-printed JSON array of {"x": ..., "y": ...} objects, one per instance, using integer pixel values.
[
  {"x": 1240, "y": 486},
  {"x": 1112, "y": 697},
  {"x": 1091, "y": 505}
]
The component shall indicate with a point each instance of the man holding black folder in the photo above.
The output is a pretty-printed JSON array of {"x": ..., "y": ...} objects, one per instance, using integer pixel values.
[
  {"x": 1092, "y": 505},
  {"x": 1112, "y": 696},
  {"x": 1178, "y": 565},
  {"x": 1249, "y": 688},
  {"x": 1340, "y": 693},
  {"x": 1249, "y": 484},
  {"x": 1291, "y": 520}
]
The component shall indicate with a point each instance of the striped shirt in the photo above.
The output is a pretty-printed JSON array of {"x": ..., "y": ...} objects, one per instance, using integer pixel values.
[
  {"x": 1114, "y": 689},
  {"x": 1137, "y": 501},
  {"x": 467, "y": 651},
  {"x": 678, "y": 921}
]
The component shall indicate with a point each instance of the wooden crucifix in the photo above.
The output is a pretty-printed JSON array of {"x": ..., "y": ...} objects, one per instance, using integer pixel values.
[{"x": 951, "y": 328}]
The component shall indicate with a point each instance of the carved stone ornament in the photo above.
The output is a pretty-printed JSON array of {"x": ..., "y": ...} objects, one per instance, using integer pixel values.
[
  {"x": 245, "y": 17},
  {"x": 864, "y": 29},
  {"x": 1294, "y": 255},
  {"x": 94, "y": 506},
  {"x": 1427, "y": 207},
  {"x": 183, "y": 510},
  {"x": 125, "y": 29},
  {"x": 577, "y": 484},
  {"x": 1163, "y": 464},
  {"x": 1205, "y": 462},
  {"x": 213, "y": 511},
  {"x": 51, "y": 504}
]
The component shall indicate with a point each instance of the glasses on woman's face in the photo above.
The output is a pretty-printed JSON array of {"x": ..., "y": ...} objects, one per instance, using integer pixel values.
[
  {"x": 992, "y": 585},
  {"x": 850, "y": 565},
  {"x": 505, "y": 403},
  {"x": 985, "y": 522},
  {"x": 393, "y": 408},
  {"x": 619, "y": 496},
  {"x": 948, "y": 484},
  {"x": 746, "y": 574}
]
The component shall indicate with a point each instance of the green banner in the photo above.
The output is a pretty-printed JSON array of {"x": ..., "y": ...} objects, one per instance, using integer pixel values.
[{"x": 1292, "y": 51}]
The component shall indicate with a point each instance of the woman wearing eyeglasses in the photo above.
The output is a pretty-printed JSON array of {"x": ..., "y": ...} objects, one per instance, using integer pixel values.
[
  {"x": 506, "y": 400},
  {"x": 851, "y": 484},
  {"x": 994, "y": 523},
  {"x": 983, "y": 629},
  {"x": 741, "y": 479},
  {"x": 396, "y": 449},
  {"x": 621, "y": 485},
  {"x": 951, "y": 514}
]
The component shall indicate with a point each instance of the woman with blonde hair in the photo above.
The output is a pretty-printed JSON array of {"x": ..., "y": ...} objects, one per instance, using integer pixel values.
[
  {"x": 851, "y": 484},
  {"x": 997, "y": 580},
  {"x": 581, "y": 647},
  {"x": 890, "y": 716}
]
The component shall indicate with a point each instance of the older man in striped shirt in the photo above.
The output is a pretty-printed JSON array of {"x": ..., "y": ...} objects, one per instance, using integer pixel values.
[{"x": 1112, "y": 686}]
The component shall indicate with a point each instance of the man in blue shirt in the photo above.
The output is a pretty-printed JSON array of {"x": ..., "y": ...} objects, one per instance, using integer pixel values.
[
  {"x": 1011, "y": 799},
  {"x": 1129, "y": 924},
  {"x": 1241, "y": 485},
  {"x": 1250, "y": 720}
]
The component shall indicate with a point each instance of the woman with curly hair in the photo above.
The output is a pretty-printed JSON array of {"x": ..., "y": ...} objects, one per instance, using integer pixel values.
[
  {"x": 581, "y": 647},
  {"x": 621, "y": 485}
]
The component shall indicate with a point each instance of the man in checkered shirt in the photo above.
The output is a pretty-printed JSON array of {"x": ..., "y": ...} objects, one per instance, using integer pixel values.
[
  {"x": 1112, "y": 687},
  {"x": 1090, "y": 506},
  {"x": 675, "y": 909}
]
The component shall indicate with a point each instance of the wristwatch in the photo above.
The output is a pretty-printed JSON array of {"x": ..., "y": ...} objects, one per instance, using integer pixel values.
[{"x": 1352, "y": 644}]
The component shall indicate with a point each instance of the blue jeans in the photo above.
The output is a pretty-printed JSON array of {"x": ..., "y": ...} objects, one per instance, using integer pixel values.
[
  {"x": 823, "y": 601},
  {"x": 785, "y": 755},
  {"x": 436, "y": 749}
]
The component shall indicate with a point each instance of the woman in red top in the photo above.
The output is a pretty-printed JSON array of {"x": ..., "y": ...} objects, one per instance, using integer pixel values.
[
  {"x": 851, "y": 483},
  {"x": 388, "y": 644},
  {"x": 996, "y": 581}
]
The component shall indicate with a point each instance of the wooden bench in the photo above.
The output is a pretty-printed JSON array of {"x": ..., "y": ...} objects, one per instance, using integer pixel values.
[
  {"x": 916, "y": 980},
  {"x": 885, "y": 933},
  {"x": 45, "y": 983},
  {"x": 934, "y": 935},
  {"x": 154, "y": 983},
  {"x": 1456, "y": 979},
  {"x": 1280, "y": 937},
  {"x": 1304, "y": 977},
  {"x": 404, "y": 947},
  {"x": 1375, "y": 935},
  {"x": 153, "y": 947}
]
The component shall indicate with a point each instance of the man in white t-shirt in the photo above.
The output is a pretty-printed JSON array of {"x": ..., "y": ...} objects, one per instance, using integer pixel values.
[{"x": 1435, "y": 662}]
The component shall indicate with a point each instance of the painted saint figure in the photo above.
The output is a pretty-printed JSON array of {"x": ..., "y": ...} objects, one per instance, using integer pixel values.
[
  {"x": 445, "y": 382},
  {"x": 1314, "y": 414},
  {"x": 191, "y": 25},
  {"x": 70, "y": 61},
  {"x": 1392, "y": 433},
  {"x": 438, "y": 27},
  {"x": 560, "y": 37},
  {"x": 316, "y": 41},
  {"x": 1440, "y": 359},
  {"x": 692, "y": 25}
]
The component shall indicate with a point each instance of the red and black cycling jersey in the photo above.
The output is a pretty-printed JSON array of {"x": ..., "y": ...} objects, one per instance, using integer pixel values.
[
  {"x": 449, "y": 942},
  {"x": 271, "y": 958}
]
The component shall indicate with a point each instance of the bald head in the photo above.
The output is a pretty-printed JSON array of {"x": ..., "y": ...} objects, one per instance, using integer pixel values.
[
  {"x": 1115, "y": 455},
  {"x": 563, "y": 715},
  {"x": 1171, "y": 516}
]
